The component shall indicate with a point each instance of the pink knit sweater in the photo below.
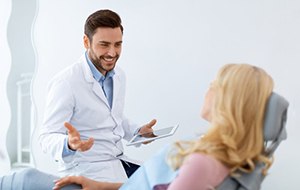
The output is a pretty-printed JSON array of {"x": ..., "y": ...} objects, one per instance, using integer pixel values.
[{"x": 198, "y": 172}]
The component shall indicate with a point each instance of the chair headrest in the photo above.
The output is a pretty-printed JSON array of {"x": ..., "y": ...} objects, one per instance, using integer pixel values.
[
  {"x": 274, "y": 132},
  {"x": 275, "y": 118}
]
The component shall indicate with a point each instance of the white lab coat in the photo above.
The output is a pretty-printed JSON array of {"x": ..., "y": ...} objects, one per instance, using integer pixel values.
[{"x": 75, "y": 96}]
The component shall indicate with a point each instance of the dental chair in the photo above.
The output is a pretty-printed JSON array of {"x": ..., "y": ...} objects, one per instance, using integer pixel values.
[{"x": 274, "y": 133}]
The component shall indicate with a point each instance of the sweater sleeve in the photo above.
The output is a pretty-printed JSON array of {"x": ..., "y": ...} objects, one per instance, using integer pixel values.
[{"x": 199, "y": 172}]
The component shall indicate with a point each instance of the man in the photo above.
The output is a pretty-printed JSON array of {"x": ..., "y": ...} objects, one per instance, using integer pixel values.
[{"x": 84, "y": 121}]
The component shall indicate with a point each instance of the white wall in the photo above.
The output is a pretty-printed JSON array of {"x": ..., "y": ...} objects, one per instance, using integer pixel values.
[{"x": 172, "y": 50}]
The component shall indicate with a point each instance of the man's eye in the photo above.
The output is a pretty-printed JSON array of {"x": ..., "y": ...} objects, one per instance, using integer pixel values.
[{"x": 104, "y": 45}]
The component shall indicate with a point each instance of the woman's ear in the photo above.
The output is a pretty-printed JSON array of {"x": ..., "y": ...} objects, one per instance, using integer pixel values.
[{"x": 86, "y": 42}]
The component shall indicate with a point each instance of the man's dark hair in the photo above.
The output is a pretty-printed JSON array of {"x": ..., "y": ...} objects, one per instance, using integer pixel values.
[{"x": 101, "y": 18}]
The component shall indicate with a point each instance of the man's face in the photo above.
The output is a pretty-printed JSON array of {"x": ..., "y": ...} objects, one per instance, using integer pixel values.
[{"x": 105, "y": 48}]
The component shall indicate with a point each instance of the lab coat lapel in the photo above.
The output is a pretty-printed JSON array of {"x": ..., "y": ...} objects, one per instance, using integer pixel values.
[
  {"x": 96, "y": 88},
  {"x": 99, "y": 92},
  {"x": 116, "y": 88}
]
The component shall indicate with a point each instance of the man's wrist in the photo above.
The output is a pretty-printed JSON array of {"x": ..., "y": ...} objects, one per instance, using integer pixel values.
[
  {"x": 137, "y": 131},
  {"x": 69, "y": 147},
  {"x": 66, "y": 149}
]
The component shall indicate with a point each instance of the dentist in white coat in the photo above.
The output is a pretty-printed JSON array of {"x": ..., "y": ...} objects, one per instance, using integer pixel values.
[{"x": 84, "y": 121}]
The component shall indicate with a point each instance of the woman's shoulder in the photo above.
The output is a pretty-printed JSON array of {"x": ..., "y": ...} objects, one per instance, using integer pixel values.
[
  {"x": 194, "y": 157},
  {"x": 202, "y": 164},
  {"x": 205, "y": 161},
  {"x": 199, "y": 171}
]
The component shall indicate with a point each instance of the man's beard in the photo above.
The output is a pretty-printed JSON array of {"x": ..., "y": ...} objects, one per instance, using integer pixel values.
[{"x": 98, "y": 61}]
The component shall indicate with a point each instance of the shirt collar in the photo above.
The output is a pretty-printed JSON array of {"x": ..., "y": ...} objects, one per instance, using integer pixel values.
[{"x": 97, "y": 74}]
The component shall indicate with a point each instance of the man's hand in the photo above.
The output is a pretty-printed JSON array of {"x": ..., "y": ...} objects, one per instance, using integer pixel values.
[
  {"x": 74, "y": 141},
  {"x": 147, "y": 128},
  {"x": 86, "y": 183}
]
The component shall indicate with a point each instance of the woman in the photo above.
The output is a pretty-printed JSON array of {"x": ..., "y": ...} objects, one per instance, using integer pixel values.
[{"x": 234, "y": 105}]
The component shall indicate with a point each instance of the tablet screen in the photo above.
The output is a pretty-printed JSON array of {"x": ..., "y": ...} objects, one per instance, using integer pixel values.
[{"x": 156, "y": 134}]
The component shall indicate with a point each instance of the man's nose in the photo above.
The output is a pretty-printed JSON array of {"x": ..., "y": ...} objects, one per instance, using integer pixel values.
[{"x": 112, "y": 51}]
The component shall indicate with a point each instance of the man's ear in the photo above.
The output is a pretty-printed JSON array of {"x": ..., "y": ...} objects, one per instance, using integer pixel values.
[{"x": 86, "y": 42}]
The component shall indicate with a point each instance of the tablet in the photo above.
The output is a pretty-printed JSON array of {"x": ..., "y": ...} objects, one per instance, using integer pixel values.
[{"x": 156, "y": 134}]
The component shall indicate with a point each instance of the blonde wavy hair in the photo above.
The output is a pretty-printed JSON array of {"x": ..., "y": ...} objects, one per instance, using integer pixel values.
[{"x": 235, "y": 137}]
